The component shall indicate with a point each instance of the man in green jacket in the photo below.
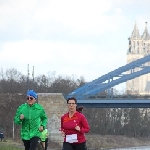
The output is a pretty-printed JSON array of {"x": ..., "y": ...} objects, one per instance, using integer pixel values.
[{"x": 33, "y": 119}]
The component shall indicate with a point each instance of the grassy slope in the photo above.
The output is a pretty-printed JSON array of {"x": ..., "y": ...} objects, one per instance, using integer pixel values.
[
  {"x": 112, "y": 141},
  {"x": 93, "y": 141},
  {"x": 9, "y": 148},
  {"x": 10, "y": 145}
]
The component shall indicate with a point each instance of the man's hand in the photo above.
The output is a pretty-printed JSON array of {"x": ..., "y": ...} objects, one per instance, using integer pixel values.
[
  {"x": 21, "y": 116},
  {"x": 41, "y": 128}
]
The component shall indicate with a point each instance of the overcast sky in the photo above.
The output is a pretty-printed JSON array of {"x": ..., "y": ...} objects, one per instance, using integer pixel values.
[{"x": 86, "y": 38}]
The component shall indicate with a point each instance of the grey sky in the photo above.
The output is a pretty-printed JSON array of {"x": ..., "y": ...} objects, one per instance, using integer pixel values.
[{"x": 84, "y": 37}]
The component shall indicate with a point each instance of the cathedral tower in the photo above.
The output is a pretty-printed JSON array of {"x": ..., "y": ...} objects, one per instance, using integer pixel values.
[{"x": 139, "y": 46}]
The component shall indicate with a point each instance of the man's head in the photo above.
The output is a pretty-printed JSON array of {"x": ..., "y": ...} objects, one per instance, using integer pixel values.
[
  {"x": 32, "y": 93},
  {"x": 31, "y": 97}
]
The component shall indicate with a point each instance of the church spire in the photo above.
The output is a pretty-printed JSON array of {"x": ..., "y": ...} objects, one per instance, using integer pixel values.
[
  {"x": 135, "y": 33},
  {"x": 145, "y": 35}
]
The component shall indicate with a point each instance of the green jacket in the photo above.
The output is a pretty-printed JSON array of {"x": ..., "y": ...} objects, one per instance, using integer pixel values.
[{"x": 34, "y": 117}]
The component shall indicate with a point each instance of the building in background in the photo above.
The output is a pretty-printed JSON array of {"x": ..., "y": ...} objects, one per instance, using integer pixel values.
[{"x": 139, "y": 46}]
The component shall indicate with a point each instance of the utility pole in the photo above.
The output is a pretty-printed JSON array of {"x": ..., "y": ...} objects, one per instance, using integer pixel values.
[
  {"x": 33, "y": 81},
  {"x": 13, "y": 131},
  {"x": 28, "y": 73},
  {"x": 33, "y": 77}
]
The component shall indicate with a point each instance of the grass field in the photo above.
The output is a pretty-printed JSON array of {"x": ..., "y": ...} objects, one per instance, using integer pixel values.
[
  {"x": 8, "y": 147},
  {"x": 93, "y": 141},
  {"x": 17, "y": 144}
]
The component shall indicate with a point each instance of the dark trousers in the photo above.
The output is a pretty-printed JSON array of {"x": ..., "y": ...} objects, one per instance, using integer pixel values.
[
  {"x": 71, "y": 146},
  {"x": 31, "y": 144},
  {"x": 46, "y": 143}
]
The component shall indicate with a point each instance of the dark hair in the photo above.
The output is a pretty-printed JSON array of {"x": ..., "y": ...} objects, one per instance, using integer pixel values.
[
  {"x": 72, "y": 98},
  {"x": 80, "y": 108}
]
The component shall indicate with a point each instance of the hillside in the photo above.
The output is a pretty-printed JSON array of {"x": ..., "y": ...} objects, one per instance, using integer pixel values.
[
  {"x": 98, "y": 141},
  {"x": 112, "y": 141}
]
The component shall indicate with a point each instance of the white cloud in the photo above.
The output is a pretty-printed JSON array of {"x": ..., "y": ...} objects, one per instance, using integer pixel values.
[
  {"x": 64, "y": 58},
  {"x": 35, "y": 51},
  {"x": 86, "y": 17},
  {"x": 82, "y": 37}
]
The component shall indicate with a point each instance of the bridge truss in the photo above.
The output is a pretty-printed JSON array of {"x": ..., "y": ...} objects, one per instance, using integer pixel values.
[{"x": 110, "y": 80}]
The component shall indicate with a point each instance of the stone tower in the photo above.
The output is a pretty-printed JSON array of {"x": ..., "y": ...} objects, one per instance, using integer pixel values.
[{"x": 139, "y": 46}]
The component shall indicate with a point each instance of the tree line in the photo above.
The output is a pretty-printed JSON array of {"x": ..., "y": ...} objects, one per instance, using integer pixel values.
[
  {"x": 13, "y": 81},
  {"x": 104, "y": 121}
]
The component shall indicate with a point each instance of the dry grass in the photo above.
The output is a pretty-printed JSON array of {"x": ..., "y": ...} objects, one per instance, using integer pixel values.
[
  {"x": 97, "y": 142},
  {"x": 19, "y": 144},
  {"x": 113, "y": 141},
  {"x": 9, "y": 145}
]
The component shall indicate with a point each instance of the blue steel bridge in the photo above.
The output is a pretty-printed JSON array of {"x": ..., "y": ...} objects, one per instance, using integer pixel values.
[{"x": 86, "y": 95}]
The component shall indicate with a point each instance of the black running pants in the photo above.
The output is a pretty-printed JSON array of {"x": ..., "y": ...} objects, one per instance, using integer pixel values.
[
  {"x": 71, "y": 146},
  {"x": 31, "y": 144}
]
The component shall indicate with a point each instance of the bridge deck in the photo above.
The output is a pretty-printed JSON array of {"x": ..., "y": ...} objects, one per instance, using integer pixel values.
[{"x": 119, "y": 103}]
